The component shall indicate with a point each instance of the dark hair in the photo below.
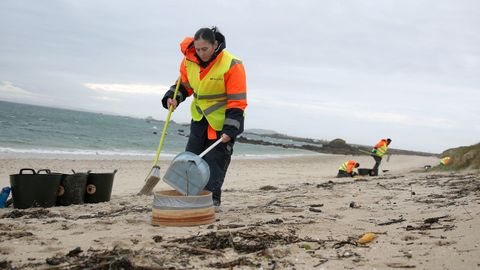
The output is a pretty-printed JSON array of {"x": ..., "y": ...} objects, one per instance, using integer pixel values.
[{"x": 207, "y": 34}]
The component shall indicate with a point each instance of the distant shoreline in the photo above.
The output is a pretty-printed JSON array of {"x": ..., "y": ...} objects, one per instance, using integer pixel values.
[{"x": 110, "y": 155}]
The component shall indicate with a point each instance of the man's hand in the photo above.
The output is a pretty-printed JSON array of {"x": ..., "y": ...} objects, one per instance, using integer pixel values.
[
  {"x": 172, "y": 102},
  {"x": 225, "y": 138}
]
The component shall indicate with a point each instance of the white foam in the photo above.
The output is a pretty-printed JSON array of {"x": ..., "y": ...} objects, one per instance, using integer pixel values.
[
  {"x": 84, "y": 153},
  {"x": 9, "y": 152}
]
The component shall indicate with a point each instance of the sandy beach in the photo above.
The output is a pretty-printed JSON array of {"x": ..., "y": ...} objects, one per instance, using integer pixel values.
[{"x": 277, "y": 213}]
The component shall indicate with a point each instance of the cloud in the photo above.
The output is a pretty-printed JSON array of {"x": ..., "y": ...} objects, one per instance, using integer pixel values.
[
  {"x": 386, "y": 117},
  {"x": 105, "y": 98},
  {"x": 12, "y": 92},
  {"x": 142, "y": 89},
  {"x": 346, "y": 110}
]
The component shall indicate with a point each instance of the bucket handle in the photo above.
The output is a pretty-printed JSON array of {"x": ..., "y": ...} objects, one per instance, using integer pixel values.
[
  {"x": 44, "y": 170},
  {"x": 210, "y": 148},
  {"x": 27, "y": 169},
  {"x": 88, "y": 172}
]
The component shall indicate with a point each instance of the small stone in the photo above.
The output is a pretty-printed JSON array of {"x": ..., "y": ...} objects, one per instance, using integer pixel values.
[{"x": 157, "y": 238}]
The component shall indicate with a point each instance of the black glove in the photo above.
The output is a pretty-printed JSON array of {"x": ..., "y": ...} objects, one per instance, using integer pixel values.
[
  {"x": 168, "y": 94},
  {"x": 181, "y": 95}
]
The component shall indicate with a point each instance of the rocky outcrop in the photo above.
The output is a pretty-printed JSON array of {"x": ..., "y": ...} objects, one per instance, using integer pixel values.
[{"x": 336, "y": 146}]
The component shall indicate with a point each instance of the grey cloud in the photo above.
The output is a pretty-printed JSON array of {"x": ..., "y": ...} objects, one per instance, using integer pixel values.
[{"x": 415, "y": 58}]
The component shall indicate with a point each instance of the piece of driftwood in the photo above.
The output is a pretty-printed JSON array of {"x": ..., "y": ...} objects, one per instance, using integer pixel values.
[
  {"x": 242, "y": 261},
  {"x": 322, "y": 261},
  {"x": 424, "y": 227},
  {"x": 295, "y": 196},
  {"x": 400, "y": 265},
  {"x": 300, "y": 222},
  {"x": 392, "y": 221},
  {"x": 433, "y": 219},
  {"x": 230, "y": 226},
  {"x": 391, "y": 188},
  {"x": 285, "y": 205},
  {"x": 343, "y": 243},
  {"x": 194, "y": 250}
]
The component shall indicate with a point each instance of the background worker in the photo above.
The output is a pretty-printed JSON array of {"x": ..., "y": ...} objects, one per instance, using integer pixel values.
[
  {"x": 378, "y": 151},
  {"x": 445, "y": 161},
  {"x": 216, "y": 80},
  {"x": 346, "y": 169}
]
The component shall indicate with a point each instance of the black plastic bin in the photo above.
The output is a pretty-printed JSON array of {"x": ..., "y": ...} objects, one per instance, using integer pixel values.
[
  {"x": 72, "y": 189},
  {"x": 364, "y": 171},
  {"x": 99, "y": 187},
  {"x": 34, "y": 189}
]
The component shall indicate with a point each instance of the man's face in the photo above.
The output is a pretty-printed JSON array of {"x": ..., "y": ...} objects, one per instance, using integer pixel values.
[{"x": 204, "y": 49}]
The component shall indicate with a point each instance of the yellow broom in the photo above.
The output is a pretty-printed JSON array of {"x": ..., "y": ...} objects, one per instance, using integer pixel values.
[{"x": 154, "y": 175}]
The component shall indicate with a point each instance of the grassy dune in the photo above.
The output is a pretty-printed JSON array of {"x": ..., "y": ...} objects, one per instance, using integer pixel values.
[{"x": 465, "y": 157}]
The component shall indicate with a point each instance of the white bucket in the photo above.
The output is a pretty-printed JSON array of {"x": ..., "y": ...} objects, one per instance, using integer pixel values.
[{"x": 171, "y": 208}]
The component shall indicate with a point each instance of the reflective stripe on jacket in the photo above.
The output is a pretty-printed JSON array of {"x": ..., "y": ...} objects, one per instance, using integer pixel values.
[
  {"x": 348, "y": 166},
  {"x": 210, "y": 97}
]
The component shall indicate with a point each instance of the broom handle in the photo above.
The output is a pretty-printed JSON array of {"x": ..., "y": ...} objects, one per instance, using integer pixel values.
[
  {"x": 365, "y": 152},
  {"x": 170, "y": 110},
  {"x": 210, "y": 147}
]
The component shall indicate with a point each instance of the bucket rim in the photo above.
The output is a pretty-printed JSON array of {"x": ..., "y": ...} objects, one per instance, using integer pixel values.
[
  {"x": 90, "y": 173},
  {"x": 167, "y": 193}
]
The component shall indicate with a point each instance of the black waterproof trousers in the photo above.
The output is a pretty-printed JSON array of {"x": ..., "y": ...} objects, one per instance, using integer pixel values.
[
  {"x": 378, "y": 160},
  {"x": 218, "y": 158},
  {"x": 343, "y": 174}
]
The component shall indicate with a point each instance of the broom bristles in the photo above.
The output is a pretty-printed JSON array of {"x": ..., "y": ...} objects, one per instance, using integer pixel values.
[{"x": 151, "y": 182}]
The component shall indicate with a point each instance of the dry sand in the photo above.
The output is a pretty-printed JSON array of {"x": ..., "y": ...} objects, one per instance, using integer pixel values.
[{"x": 276, "y": 213}]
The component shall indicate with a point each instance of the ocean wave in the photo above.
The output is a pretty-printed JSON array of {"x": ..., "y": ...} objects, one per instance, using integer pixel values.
[
  {"x": 80, "y": 152},
  {"x": 126, "y": 154}
]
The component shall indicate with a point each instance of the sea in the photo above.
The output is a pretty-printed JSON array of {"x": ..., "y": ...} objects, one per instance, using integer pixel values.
[{"x": 30, "y": 129}]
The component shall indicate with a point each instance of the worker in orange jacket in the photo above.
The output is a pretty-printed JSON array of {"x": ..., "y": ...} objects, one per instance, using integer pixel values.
[
  {"x": 445, "y": 161},
  {"x": 346, "y": 169},
  {"x": 216, "y": 80},
  {"x": 378, "y": 151}
]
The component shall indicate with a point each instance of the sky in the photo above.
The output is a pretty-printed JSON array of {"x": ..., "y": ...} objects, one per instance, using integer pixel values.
[{"x": 357, "y": 70}]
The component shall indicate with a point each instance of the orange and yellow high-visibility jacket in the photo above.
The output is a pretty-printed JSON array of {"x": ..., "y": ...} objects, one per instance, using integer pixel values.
[
  {"x": 348, "y": 166},
  {"x": 380, "y": 149},
  {"x": 219, "y": 90}
]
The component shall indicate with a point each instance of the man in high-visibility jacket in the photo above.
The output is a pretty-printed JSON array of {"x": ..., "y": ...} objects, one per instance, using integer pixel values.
[
  {"x": 445, "y": 161},
  {"x": 216, "y": 80},
  {"x": 346, "y": 169},
  {"x": 378, "y": 151}
]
